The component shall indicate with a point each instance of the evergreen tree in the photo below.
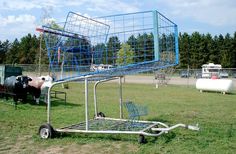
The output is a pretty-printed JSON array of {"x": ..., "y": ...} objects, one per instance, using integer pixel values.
[
  {"x": 99, "y": 53},
  {"x": 233, "y": 49},
  {"x": 4, "y": 48},
  {"x": 12, "y": 54},
  {"x": 144, "y": 50},
  {"x": 214, "y": 52},
  {"x": 34, "y": 50},
  {"x": 132, "y": 42},
  {"x": 113, "y": 46},
  {"x": 24, "y": 49},
  {"x": 184, "y": 47},
  {"x": 195, "y": 50},
  {"x": 141, "y": 53},
  {"x": 226, "y": 53},
  {"x": 150, "y": 47},
  {"x": 2, "y": 53},
  {"x": 220, "y": 47},
  {"x": 207, "y": 47}
]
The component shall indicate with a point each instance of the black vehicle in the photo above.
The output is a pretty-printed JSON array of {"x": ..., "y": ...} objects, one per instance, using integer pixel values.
[
  {"x": 184, "y": 74},
  {"x": 234, "y": 75}
]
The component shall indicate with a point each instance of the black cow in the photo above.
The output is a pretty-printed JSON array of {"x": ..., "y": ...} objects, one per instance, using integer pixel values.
[{"x": 17, "y": 86}]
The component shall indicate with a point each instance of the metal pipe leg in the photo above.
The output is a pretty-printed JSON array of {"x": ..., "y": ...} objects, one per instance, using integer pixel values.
[
  {"x": 49, "y": 104},
  {"x": 95, "y": 99},
  {"x": 121, "y": 99},
  {"x": 86, "y": 103}
]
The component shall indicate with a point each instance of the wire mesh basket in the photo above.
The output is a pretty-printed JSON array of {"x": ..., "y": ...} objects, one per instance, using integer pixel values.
[
  {"x": 113, "y": 45},
  {"x": 135, "y": 110}
]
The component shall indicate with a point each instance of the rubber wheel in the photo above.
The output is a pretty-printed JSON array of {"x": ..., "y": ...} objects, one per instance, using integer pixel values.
[
  {"x": 100, "y": 114},
  {"x": 141, "y": 139},
  {"x": 46, "y": 131},
  {"x": 6, "y": 96}
]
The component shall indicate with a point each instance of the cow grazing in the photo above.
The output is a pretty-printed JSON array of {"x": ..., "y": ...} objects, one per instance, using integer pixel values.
[
  {"x": 38, "y": 86},
  {"x": 17, "y": 86},
  {"x": 34, "y": 88}
]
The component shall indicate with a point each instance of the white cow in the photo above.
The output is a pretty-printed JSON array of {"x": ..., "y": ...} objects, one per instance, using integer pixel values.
[
  {"x": 34, "y": 87},
  {"x": 48, "y": 80}
]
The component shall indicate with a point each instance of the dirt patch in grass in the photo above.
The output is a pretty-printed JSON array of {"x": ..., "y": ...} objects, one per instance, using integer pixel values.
[
  {"x": 18, "y": 145},
  {"x": 52, "y": 150},
  {"x": 91, "y": 148}
]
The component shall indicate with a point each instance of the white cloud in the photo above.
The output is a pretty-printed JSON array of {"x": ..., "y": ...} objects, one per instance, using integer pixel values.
[
  {"x": 76, "y": 2},
  {"x": 26, "y": 4},
  {"x": 212, "y": 12},
  {"x": 90, "y": 5},
  {"x": 209, "y": 14},
  {"x": 20, "y": 19},
  {"x": 112, "y": 6},
  {"x": 16, "y": 26},
  {"x": 19, "y": 5},
  {"x": 17, "y": 22}
]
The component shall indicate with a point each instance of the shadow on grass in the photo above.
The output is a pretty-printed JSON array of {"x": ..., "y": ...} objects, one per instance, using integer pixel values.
[
  {"x": 30, "y": 101},
  {"x": 158, "y": 119},
  {"x": 165, "y": 138},
  {"x": 220, "y": 93},
  {"x": 55, "y": 103},
  {"x": 84, "y": 138}
]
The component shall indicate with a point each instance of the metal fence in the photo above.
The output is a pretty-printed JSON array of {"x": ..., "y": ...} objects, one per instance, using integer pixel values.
[
  {"x": 173, "y": 75},
  {"x": 196, "y": 73},
  {"x": 188, "y": 77}
]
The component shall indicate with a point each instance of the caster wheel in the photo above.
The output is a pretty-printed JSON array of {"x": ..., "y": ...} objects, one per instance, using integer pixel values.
[
  {"x": 141, "y": 139},
  {"x": 100, "y": 114},
  {"x": 24, "y": 98},
  {"x": 46, "y": 131},
  {"x": 15, "y": 98}
]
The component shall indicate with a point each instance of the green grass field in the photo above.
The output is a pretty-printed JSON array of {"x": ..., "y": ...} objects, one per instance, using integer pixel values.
[{"x": 215, "y": 113}]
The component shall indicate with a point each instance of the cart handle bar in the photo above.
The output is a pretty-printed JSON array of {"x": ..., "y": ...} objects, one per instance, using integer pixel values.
[
  {"x": 191, "y": 127},
  {"x": 61, "y": 33}
]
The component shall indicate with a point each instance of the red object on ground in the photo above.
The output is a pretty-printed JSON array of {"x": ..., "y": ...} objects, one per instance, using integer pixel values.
[{"x": 214, "y": 77}]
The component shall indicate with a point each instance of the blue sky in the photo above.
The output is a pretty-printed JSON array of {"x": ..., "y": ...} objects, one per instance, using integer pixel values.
[{"x": 19, "y": 17}]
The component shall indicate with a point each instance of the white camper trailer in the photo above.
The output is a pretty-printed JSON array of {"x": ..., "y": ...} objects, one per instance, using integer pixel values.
[
  {"x": 208, "y": 70},
  {"x": 100, "y": 67}
]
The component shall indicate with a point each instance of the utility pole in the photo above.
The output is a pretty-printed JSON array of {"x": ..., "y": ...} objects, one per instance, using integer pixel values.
[
  {"x": 40, "y": 52},
  {"x": 45, "y": 16}
]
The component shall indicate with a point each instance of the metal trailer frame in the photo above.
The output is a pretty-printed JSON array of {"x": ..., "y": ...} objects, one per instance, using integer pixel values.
[{"x": 141, "y": 128}]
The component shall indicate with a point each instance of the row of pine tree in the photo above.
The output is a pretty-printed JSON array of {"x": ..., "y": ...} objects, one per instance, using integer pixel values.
[{"x": 195, "y": 49}]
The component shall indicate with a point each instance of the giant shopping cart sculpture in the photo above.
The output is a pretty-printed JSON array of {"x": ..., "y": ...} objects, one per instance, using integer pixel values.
[{"x": 106, "y": 48}]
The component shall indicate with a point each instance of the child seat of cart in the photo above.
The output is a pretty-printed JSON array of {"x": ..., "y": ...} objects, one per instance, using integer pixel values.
[{"x": 135, "y": 110}]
